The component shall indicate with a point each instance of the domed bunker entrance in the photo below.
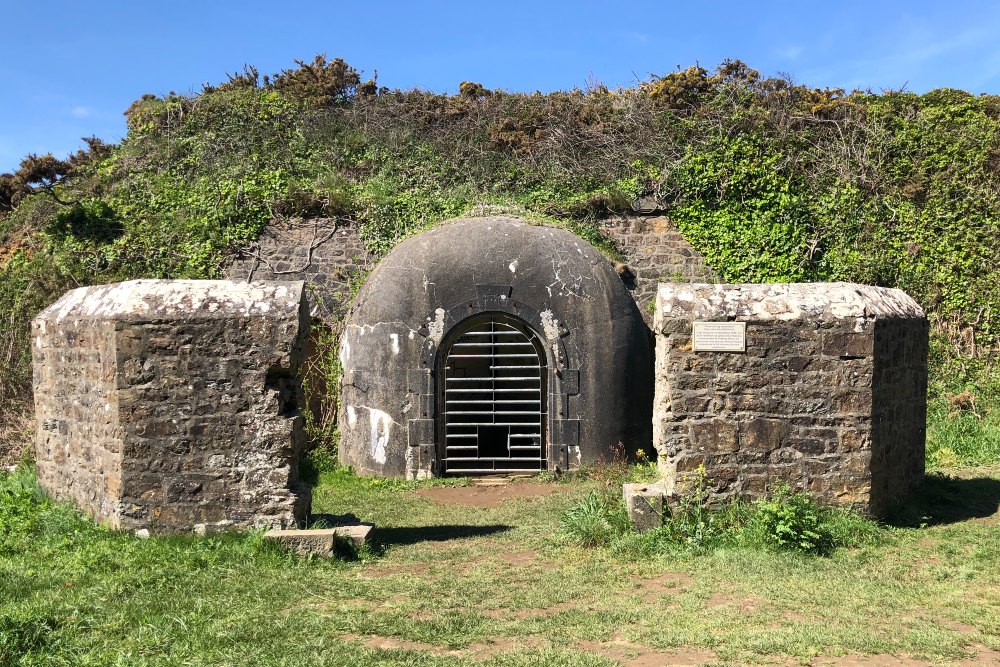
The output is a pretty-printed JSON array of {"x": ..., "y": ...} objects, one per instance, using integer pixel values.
[
  {"x": 492, "y": 397},
  {"x": 493, "y": 346}
]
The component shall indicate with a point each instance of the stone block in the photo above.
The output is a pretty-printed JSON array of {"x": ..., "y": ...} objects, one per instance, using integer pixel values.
[
  {"x": 321, "y": 542},
  {"x": 763, "y": 434},
  {"x": 830, "y": 394},
  {"x": 644, "y": 503},
  {"x": 357, "y": 534},
  {"x": 714, "y": 435},
  {"x": 172, "y": 405}
]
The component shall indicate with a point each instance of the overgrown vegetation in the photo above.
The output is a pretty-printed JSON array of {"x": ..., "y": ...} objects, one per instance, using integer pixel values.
[
  {"x": 784, "y": 521},
  {"x": 770, "y": 179}
]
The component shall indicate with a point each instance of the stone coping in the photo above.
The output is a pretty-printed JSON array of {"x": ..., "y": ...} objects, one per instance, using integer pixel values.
[
  {"x": 146, "y": 300},
  {"x": 781, "y": 302}
]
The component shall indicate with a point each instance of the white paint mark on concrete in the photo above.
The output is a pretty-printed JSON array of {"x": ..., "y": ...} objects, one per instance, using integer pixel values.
[
  {"x": 381, "y": 427},
  {"x": 345, "y": 352},
  {"x": 436, "y": 326},
  {"x": 352, "y": 415},
  {"x": 394, "y": 337},
  {"x": 409, "y": 463},
  {"x": 576, "y": 455},
  {"x": 513, "y": 266},
  {"x": 550, "y": 325}
]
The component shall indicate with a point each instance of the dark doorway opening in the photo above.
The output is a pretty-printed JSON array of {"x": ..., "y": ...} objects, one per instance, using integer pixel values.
[{"x": 493, "y": 398}]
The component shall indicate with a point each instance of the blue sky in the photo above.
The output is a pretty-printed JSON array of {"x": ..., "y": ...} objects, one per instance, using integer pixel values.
[{"x": 70, "y": 68}]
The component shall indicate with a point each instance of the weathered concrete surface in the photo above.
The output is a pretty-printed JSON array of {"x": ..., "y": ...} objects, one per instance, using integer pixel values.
[
  {"x": 172, "y": 405},
  {"x": 644, "y": 503},
  {"x": 599, "y": 354},
  {"x": 830, "y": 395},
  {"x": 357, "y": 534}
]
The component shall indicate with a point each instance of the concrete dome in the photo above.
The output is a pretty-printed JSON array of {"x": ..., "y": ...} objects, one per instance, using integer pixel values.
[{"x": 544, "y": 289}]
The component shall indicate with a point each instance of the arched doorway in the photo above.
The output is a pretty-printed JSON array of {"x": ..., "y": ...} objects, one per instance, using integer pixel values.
[{"x": 493, "y": 373}]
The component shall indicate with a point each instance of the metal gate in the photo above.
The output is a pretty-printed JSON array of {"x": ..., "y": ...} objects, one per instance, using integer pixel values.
[{"x": 494, "y": 398}]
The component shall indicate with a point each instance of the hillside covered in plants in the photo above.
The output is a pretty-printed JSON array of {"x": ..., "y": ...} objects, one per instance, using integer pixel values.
[{"x": 771, "y": 180}]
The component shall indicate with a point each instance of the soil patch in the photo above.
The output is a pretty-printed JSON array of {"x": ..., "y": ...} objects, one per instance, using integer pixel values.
[
  {"x": 498, "y": 645},
  {"x": 386, "y": 643},
  {"x": 389, "y": 570},
  {"x": 534, "y": 612},
  {"x": 982, "y": 655},
  {"x": 665, "y": 585},
  {"x": 723, "y": 600},
  {"x": 521, "y": 557},
  {"x": 488, "y": 496},
  {"x": 963, "y": 628},
  {"x": 639, "y": 655}
]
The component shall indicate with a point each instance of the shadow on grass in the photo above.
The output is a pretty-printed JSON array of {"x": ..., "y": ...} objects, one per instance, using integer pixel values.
[
  {"x": 385, "y": 537},
  {"x": 943, "y": 499}
]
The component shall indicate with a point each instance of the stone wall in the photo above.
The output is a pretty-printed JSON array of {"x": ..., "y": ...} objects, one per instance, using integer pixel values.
[
  {"x": 829, "y": 396},
  {"x": 78, "y": 449},
  {"x": 172, "y": 405},
  {"x": 327, "y": 254},
  {"x": 653, "y": 250}
]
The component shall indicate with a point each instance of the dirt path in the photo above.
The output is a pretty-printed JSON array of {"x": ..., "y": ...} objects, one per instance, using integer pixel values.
[{"x": 488, "y": 495}]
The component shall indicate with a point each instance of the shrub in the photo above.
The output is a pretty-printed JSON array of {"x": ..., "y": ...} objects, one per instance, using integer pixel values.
[
  {"x": 597, "y": 520},
  {"x": 792, "y": 521},
  {"x": 963, "y": 416},
  {"x": 785, "y": 521},
  {"x": 691, "y": 521},
  {"x": 770, "y": 180}
]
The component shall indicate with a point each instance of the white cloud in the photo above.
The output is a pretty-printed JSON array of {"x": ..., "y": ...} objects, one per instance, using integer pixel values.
[
  {"x": 919, "y": 55},
  {"x": 790, "y": 52},
  {"x": 79, "y": 112}
]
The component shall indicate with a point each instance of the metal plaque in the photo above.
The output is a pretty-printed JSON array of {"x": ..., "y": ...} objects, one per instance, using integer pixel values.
[{"x": 719, "y": 337}]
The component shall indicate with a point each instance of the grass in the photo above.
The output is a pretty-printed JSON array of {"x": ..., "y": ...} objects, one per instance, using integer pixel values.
[
  {"x": 963, "y": 413},
  {"x": 453, "y": 585},
  {"x": 962, "y": 437}
]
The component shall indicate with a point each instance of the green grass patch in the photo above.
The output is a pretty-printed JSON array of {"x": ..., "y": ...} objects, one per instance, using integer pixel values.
[
  {"x": 784, "y": 521},
  {"x": 452, "y": 584}
]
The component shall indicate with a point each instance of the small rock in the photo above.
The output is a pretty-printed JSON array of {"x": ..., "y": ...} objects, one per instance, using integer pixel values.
[
  {"x": 142, "y": 533},
  {"x": 203, "y": 529},
  {"x": 645, "y": 505},
  {"x": 490, "y": 481}
]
